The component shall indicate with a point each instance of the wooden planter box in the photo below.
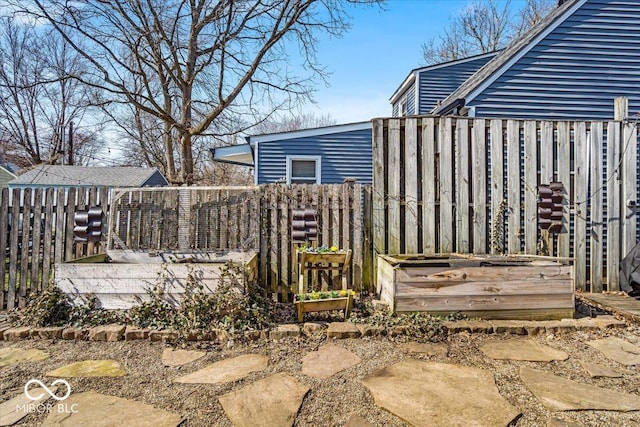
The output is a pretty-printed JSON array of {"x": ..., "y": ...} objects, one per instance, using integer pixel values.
[
  {"x": 485, "y": 286},
  {"x": 309, "y": 306},
  {"x": 121, "y": 284}
]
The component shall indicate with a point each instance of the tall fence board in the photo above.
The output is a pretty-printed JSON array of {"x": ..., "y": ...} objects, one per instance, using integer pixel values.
[{"x": 467, "y": 167}]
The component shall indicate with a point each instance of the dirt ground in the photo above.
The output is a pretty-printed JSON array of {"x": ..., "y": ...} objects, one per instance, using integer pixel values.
[{"x": 329, "y": 402}]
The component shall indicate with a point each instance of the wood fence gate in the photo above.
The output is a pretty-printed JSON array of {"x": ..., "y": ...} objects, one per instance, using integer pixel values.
[{"x": 447, "y": 184}]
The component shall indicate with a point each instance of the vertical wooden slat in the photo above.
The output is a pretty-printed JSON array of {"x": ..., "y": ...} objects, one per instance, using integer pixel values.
[
  {"x": 47, "y": 243},
  {"x": 285, "y": 233},
  {"x": 513, "y": 186},
  {"x": 378, "y": 191},
  {"x": 564, "y": 176},
  {"x": 393, "y": 200},
  {"x": 93, "y": 201},
  {"x": 546, "y": 168},
  {"x": 530, "y": 188},
  {"x": 79, "y": 247},
  {"x": 581, "y": 176},
  {"x": 347, "y": 226},
  {"x": 36, "y": 245},
  {"x": 326, "y": 224},
  {"x": 13, "y": 248},
  {"x": 497, "y": 174},
  {"x": 335, "y": 215},
  {"x": 70, "y": 209},
  {"x": 263, "y": 234},
  {"x": 367, "y": 261},
  {"x": 411, "y": 186},
  {"x": 428, "y": 186},
  {"x": 24, "y": 258},
  {"x": 479, "y": 185},
  {"x": 629, "y": 186},
  {"x": 596, "y": 207},
  {"x": 358, "y": 238},
  {"x": 446, "y": 185},
  {"x": 273, "y": 241},
  {"x": 462, "y": 186},
  {"x": 60, "y": 221},
  {"x": 613, "y": 206},
  {"x": 4, "y": 228}
]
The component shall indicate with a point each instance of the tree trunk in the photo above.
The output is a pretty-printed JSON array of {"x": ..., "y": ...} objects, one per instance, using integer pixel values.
[{"x": 186, "y": 158}]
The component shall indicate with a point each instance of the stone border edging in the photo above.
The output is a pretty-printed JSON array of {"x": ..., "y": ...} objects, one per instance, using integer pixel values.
[{"x": 338, "y": 330}]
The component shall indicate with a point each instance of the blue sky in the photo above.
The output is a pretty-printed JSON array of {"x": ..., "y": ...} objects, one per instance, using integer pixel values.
[{"x": 370, "y": 61}]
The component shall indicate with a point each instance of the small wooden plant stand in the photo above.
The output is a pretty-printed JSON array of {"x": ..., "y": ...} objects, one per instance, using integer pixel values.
[{"x": 327, "y": 262}]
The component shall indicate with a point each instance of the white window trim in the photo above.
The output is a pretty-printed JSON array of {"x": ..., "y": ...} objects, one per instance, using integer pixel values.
[
  {"x": 318, "y": 160},
  {"x": 402, "y": 112}
]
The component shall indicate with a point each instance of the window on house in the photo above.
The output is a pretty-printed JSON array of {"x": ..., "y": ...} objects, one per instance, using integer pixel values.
[
  {"x": 403, "y": 107},
  {"x": 303, "y": 170}
]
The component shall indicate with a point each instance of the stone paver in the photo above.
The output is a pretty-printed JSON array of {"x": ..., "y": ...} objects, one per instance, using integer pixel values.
[
  {"x": 522, "y": 349},
  {"x": 594, "y": 370},
  {"x": 48, "y": 333},
  {"x": 342, "y": 330},
  {"x": 271, "y": 402},
  {"x": 109, "y": 333},
  {"x": 101, "y": 410},
  {"x": 89, "y": 368},
  {"x": 12, "y": 410},
  {"x": 327, "y": 361},
  {"x": 179, "y": 357},
  {"x": 554, "y": 422},
  {"x": 618, "y": 350},
  {"x": 440, "y": 394},
  {"x": 312, "y": 328},
  {"x": 356, "y": 420},
  {"x": 226, "y": 370},
  {"x": 284, "y": 331},
  {"x": 429, "y": 349},
  {"x": 370, "y": 330},
  {"x": 15, "y": 334},
  {"x": 163, "y": 335},
  {"x": 13, "y": 355},
  {"x": 132, "y": 334},
  {"x": 560, "y": 394}
]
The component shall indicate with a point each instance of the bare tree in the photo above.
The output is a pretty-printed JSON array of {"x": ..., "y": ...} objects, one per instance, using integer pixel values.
[
  {"x": 196, "y": 65},
  {"x": 38, "y": 101},
  {"x": 483, "y": 26},
  {"x": 293, "y": 122}
]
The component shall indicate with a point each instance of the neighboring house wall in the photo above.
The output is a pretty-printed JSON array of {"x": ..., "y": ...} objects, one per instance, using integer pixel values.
[
  {"x": 5, "y": 177},
  {"x": 156, "y": 180},
  {"x": 437, "y": 83},
  {"x": 575, "y": 71},
  {"x": 342, "y": 155}
]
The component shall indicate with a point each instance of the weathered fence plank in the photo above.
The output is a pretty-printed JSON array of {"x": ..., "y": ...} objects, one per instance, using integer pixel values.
[
  {"x": 581, "y": 156},
  {"x": 428, "y": 185},
  {"x": 462, "y": 186},
  {"x": 513, "y": 186},
  {"x": 564, "y": 176},
  {"x": 530, "y": 188},
  {"x": 393, "y": 177},
  {"x": 411, "y": 185},
  {"x": 613, "y": 205},
  {"x": 596, "y": 203},
  {"x": 629, "y": 186},
  {"x": 4, "y": 243},
  {"x": 479, "y": 186},
  {"x": 445, "y": 151},
  {"x": 497, "y": 174}
]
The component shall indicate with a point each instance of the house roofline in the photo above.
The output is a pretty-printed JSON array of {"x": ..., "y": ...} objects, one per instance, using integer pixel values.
[
  {"x": 304, "y": 133},
  {"x": 510, "y": 56},
  {"x": 413, "y": 73}
]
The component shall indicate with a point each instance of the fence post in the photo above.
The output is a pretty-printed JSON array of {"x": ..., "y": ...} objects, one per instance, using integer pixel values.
[{"x": 184, "y": 218}]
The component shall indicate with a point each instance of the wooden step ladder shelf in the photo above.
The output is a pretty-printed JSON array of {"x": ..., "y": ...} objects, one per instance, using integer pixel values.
[{"x": 329, "y": 262}]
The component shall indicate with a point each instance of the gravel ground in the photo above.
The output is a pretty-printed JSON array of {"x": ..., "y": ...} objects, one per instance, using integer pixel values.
[{"x": 329, "y": 402}]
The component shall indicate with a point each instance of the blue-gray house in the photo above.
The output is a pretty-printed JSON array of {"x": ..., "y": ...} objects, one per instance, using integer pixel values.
[{"x": 571, "y": 65}]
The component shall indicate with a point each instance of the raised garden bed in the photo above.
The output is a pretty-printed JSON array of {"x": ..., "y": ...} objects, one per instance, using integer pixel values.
[
  {"x": 484, "y": 286},
  {"x": 124, "y": 278}
]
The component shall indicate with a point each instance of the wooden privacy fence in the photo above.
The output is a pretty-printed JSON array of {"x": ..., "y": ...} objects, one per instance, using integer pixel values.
[
  {"x": 36, "y": 231},
  {"x": 241, "y": 218},
  {"x": 194, "y": 218},
  {"x": 448, "y": 184}
]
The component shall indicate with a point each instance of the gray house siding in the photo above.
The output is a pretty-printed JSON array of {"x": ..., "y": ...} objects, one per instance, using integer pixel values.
[
  {"x": 410, "y": 96},
  {"x": 576, "y": 71},
  {"x": 343, "y": 155},
  {"x": 436, "y": 84}
]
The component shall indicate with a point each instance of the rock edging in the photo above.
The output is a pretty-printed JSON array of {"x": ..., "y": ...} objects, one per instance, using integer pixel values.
[{"x": 335, "y": 330}]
